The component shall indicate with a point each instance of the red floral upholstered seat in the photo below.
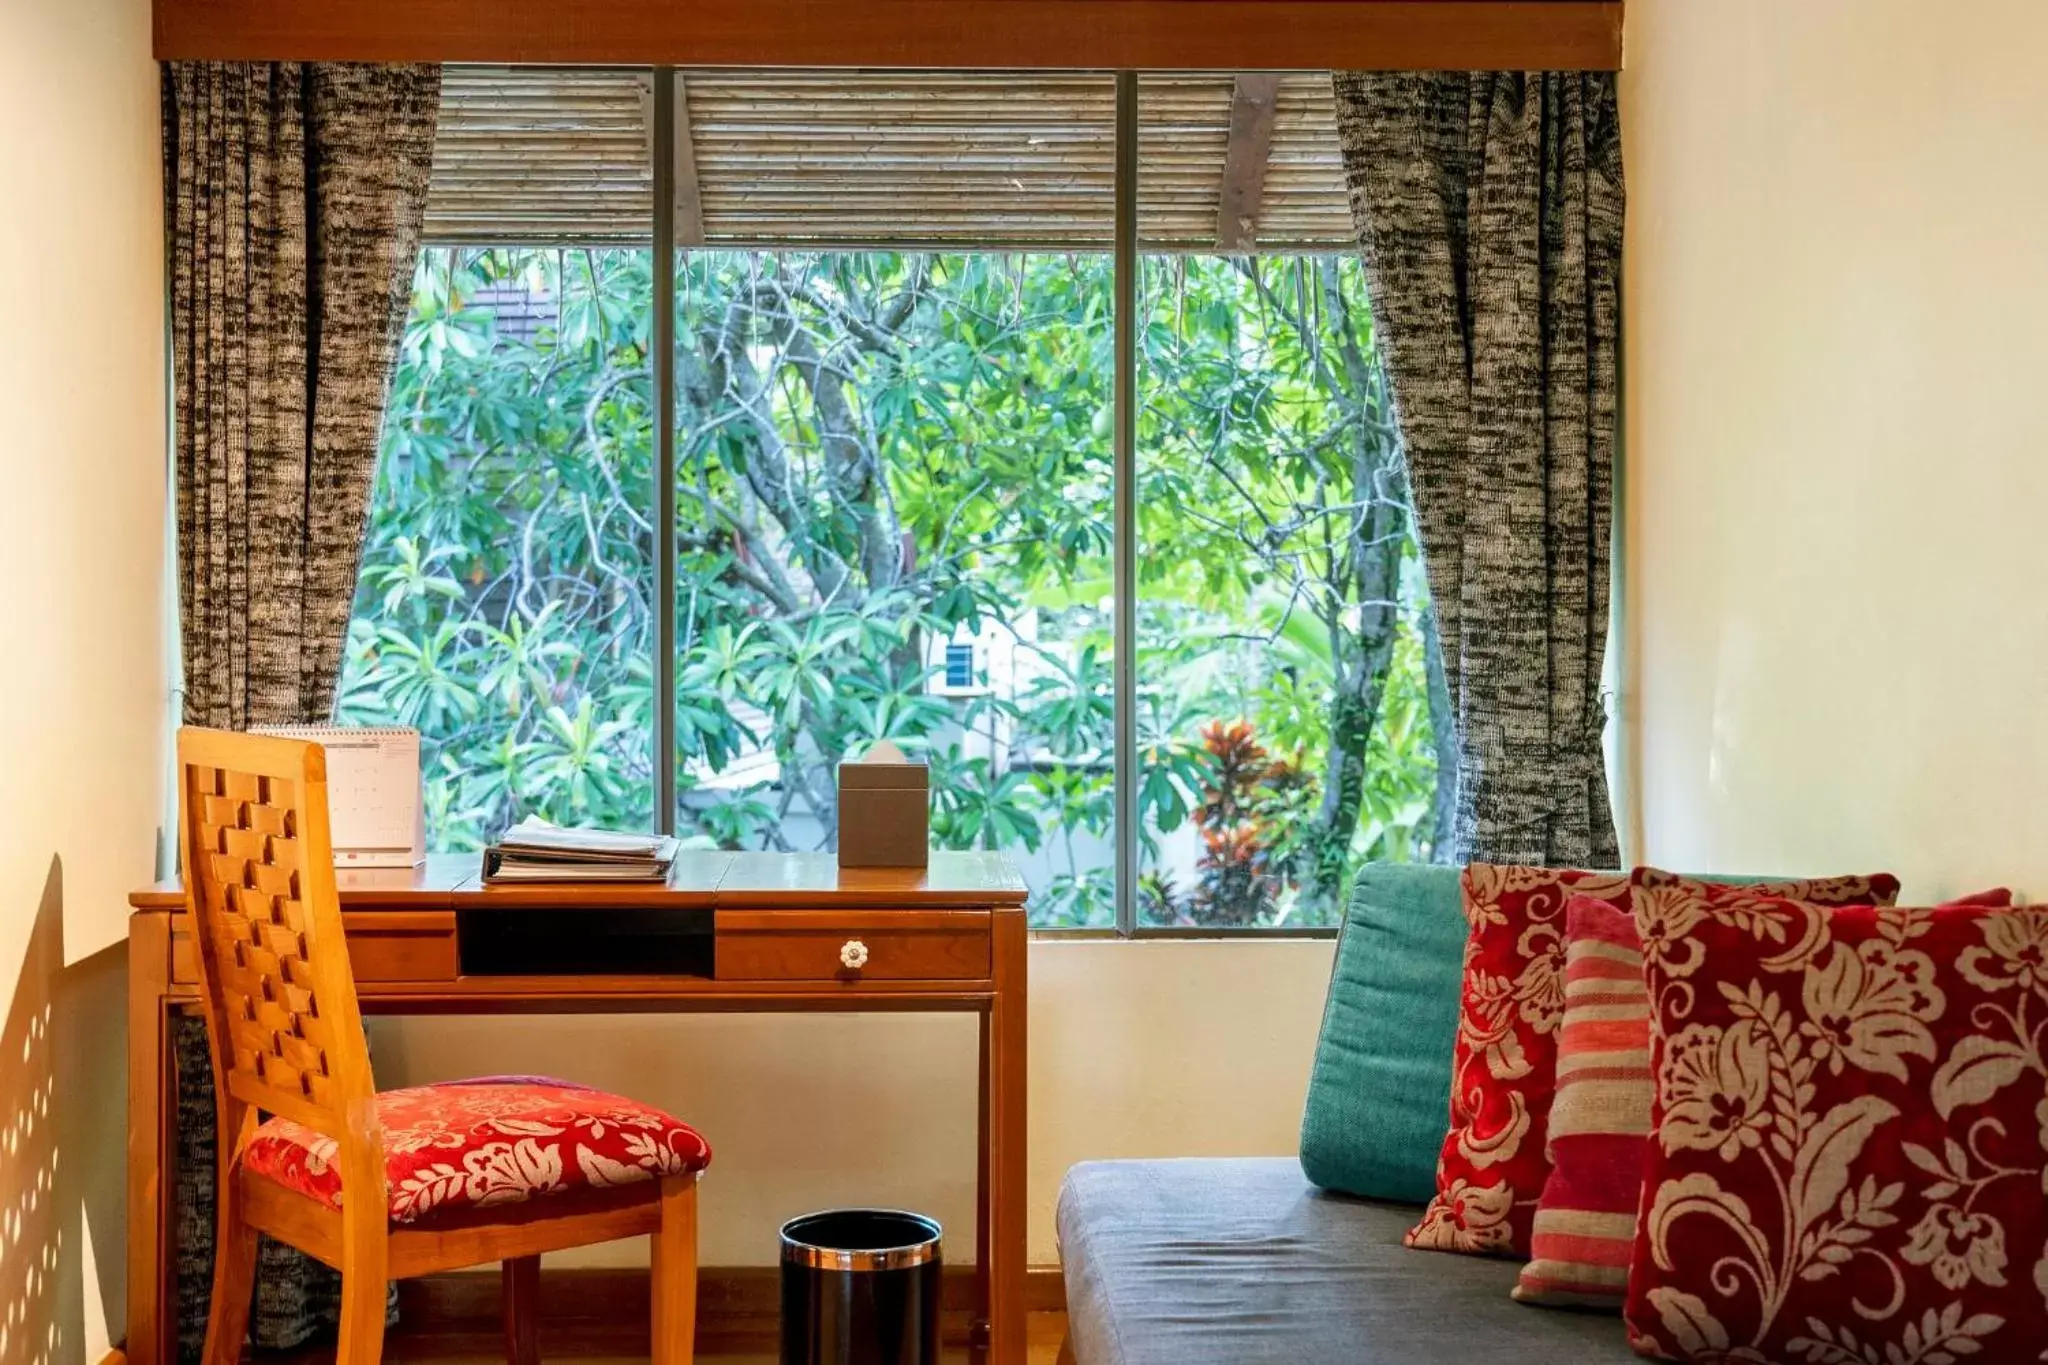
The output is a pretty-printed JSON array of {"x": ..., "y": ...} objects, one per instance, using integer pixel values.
[{"x": 495, "y": 1140}]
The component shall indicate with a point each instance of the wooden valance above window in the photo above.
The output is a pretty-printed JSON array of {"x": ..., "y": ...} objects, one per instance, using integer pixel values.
[{"x": 1160, "y": 35}]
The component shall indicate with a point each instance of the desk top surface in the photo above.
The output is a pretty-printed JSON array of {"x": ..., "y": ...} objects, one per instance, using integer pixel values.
[{"x": 698, "y": 877}]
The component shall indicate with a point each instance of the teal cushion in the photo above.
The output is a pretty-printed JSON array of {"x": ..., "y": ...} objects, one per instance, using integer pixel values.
[{"x": 1379, "y": 1098}]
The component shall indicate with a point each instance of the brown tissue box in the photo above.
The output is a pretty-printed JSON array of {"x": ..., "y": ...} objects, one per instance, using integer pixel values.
[{"x": 884, "y": 814}]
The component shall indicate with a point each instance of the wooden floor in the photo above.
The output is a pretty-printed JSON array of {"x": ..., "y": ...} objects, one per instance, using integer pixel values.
[
  {"x": 1044, "y": 1333},
  {"x": 437, "y": 1348}
]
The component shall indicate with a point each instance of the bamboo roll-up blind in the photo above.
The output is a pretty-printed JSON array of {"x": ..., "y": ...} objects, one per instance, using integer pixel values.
[
  {"x": 1183, "y": 134},
  {"x": 870, "y": 159},
  {"x": 539, "y": 155},
  {"x": 904, "y": 158},
  {"x": 1305, "y": 201}
]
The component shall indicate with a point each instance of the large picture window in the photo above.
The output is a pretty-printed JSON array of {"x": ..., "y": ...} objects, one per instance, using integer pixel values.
[{"x": 894, "y": 467}]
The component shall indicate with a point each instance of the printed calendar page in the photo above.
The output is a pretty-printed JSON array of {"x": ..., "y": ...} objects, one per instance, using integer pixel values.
[{"x": 373, "y": 792}]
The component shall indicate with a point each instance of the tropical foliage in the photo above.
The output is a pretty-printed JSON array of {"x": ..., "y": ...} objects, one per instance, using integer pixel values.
[{"x": 879, "y": 455}]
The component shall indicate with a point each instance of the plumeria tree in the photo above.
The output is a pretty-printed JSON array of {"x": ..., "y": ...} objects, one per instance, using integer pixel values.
[{"x": 879, "y": 454}]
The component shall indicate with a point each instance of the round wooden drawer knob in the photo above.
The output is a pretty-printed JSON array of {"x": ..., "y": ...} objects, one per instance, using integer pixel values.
[{"x": 853, "y": 955}]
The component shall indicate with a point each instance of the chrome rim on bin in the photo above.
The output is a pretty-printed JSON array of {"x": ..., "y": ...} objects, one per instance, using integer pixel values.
[{"x": 867, "y": 1239}]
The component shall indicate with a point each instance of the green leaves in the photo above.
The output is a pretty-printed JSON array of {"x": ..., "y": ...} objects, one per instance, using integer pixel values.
[
  {"x": 1072, "y": 706},
  {"x": 408, "y": 581},
  {"x": 881, "y": 455},
  {"x": 520, "y": 661},
  {"x": 425, "y": 681},
  {"x": 573, "y": 753},
  {"x": 974, "y": 807},
  {"x": 503, "y": 600}
]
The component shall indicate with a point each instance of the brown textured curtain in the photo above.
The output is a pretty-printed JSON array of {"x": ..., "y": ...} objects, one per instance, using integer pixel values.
[
  {"x": 293, "y": 201},
  {"x": 1489, "y": 211},
  {"x": 295, "y": 196}
]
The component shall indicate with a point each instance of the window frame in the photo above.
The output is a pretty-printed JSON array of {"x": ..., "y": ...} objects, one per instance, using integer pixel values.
[{"x": 1127, "y": 270}]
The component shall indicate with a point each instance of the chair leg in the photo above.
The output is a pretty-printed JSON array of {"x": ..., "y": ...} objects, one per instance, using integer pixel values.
[
  {"x": 521, "y": 1280},
  {"x": 365, "y": 1283},
  {"x": 363, "y": 1306},
  {"x": 234, "y": 1281},
  {"x": 674, "y": 1273}
]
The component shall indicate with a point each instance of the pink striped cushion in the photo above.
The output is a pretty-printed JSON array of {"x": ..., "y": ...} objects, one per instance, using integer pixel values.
[{"x": 1586, "y": 1218}]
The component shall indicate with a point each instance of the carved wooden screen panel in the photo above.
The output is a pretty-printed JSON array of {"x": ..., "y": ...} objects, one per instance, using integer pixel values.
[{"x": 276, "y": 1032}]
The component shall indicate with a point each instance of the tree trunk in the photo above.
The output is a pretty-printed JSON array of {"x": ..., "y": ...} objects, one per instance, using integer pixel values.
[
  {"x": 804, "y": 553},
  {"x": 1370, "y": 581},
  {"x": 1362, "y": 659}
]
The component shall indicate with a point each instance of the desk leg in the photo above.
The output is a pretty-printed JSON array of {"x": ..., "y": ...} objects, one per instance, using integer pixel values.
[
  {"x": 1001, "y": 1241},
  {"x": 984, "y": 1297},
  {"x": 152, "y": 1111}
]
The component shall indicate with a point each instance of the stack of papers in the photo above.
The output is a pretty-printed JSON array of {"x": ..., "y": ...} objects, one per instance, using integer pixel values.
[{"x": 535, "y": 851}]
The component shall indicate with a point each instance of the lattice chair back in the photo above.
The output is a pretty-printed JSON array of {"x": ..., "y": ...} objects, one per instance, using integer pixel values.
[{"x": 280, "y": 1000}]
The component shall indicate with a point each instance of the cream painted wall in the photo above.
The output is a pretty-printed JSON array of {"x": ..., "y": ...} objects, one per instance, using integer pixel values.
[
  {"x": 1137, "y": 1049},
  {"x": 83, "y": 697},
  {"x": 1838, "y": 443}
]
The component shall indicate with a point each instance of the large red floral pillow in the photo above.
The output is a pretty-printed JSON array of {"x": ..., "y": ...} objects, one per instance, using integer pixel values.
[
  {"x": 1849, "y": 1145},
  {"x": 1585, "y": 1228},
  {"x": 1491, "y": 1170}
]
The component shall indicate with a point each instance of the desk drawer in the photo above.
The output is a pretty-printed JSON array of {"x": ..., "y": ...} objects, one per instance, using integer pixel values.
[
  {"x": 825, "y": 945},
  {"x": 383, "y": 945}
]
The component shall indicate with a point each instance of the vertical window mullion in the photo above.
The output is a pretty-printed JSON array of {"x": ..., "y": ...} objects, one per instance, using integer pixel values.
[
  {"x": 1125, "y": 637},
  {"x": 662, "y": 149}
]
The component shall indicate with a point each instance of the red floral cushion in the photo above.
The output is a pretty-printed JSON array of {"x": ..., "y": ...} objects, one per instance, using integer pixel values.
[
  {"x": 1849, "y": 1141},
  {"x": 1585, "y": 1229},
  {"x": 494, "y": 1140},
  {"x": 1492, "y": 1168}
]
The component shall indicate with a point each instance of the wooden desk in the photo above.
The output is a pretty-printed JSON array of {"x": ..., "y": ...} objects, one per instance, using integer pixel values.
[{"x": 771, "y": 933}]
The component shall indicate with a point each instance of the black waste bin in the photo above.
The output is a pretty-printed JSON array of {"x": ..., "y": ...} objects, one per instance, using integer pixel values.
[{"x": 860, "y": 1287}]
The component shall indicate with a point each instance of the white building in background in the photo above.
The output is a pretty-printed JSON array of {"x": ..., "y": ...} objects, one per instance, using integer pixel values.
[
  {"x": 754, "y": 765},
  {"x": 1000, "y": 660}
]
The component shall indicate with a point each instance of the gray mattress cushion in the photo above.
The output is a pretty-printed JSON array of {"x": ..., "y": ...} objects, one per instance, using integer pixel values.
[{"x": 1197, "y": 1262}]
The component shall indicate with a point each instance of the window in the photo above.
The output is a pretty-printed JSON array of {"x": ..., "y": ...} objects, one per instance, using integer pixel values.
[
  {"x": 1281, "y": 698},
  {"x": 959, "y": 667},
  {"x": 877, "y": 450},
  {"x": 894, "y": 471},
  {"x": 504, "y": 604}
]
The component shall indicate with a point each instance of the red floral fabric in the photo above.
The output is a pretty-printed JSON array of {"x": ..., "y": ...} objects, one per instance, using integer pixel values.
[
  {"x": 1585, "y": 1228},
  {"x": 1492, "y": 1168},
  {"x": 1504, "y": 1063},
  {"x": 1849, "y": 1145},
  {"x": 494, "y": 1140}
]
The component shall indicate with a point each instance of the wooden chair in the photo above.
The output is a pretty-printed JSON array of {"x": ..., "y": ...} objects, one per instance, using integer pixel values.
[{"x": 287, "y": 1041}]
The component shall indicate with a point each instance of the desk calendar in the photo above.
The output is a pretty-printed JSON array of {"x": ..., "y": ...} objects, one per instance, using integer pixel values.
[{"x": 373, "y": 792}]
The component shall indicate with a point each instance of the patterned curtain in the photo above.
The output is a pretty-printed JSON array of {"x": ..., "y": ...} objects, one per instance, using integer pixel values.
[
  {"x": 293, "y": 201},
  {"x": 1489, "y": 209}
]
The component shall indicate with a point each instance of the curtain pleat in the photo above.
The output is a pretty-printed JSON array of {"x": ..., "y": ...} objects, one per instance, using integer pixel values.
[
  {"x": 1489, "y": 212},
  {"x": 294, "y": 196}
]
